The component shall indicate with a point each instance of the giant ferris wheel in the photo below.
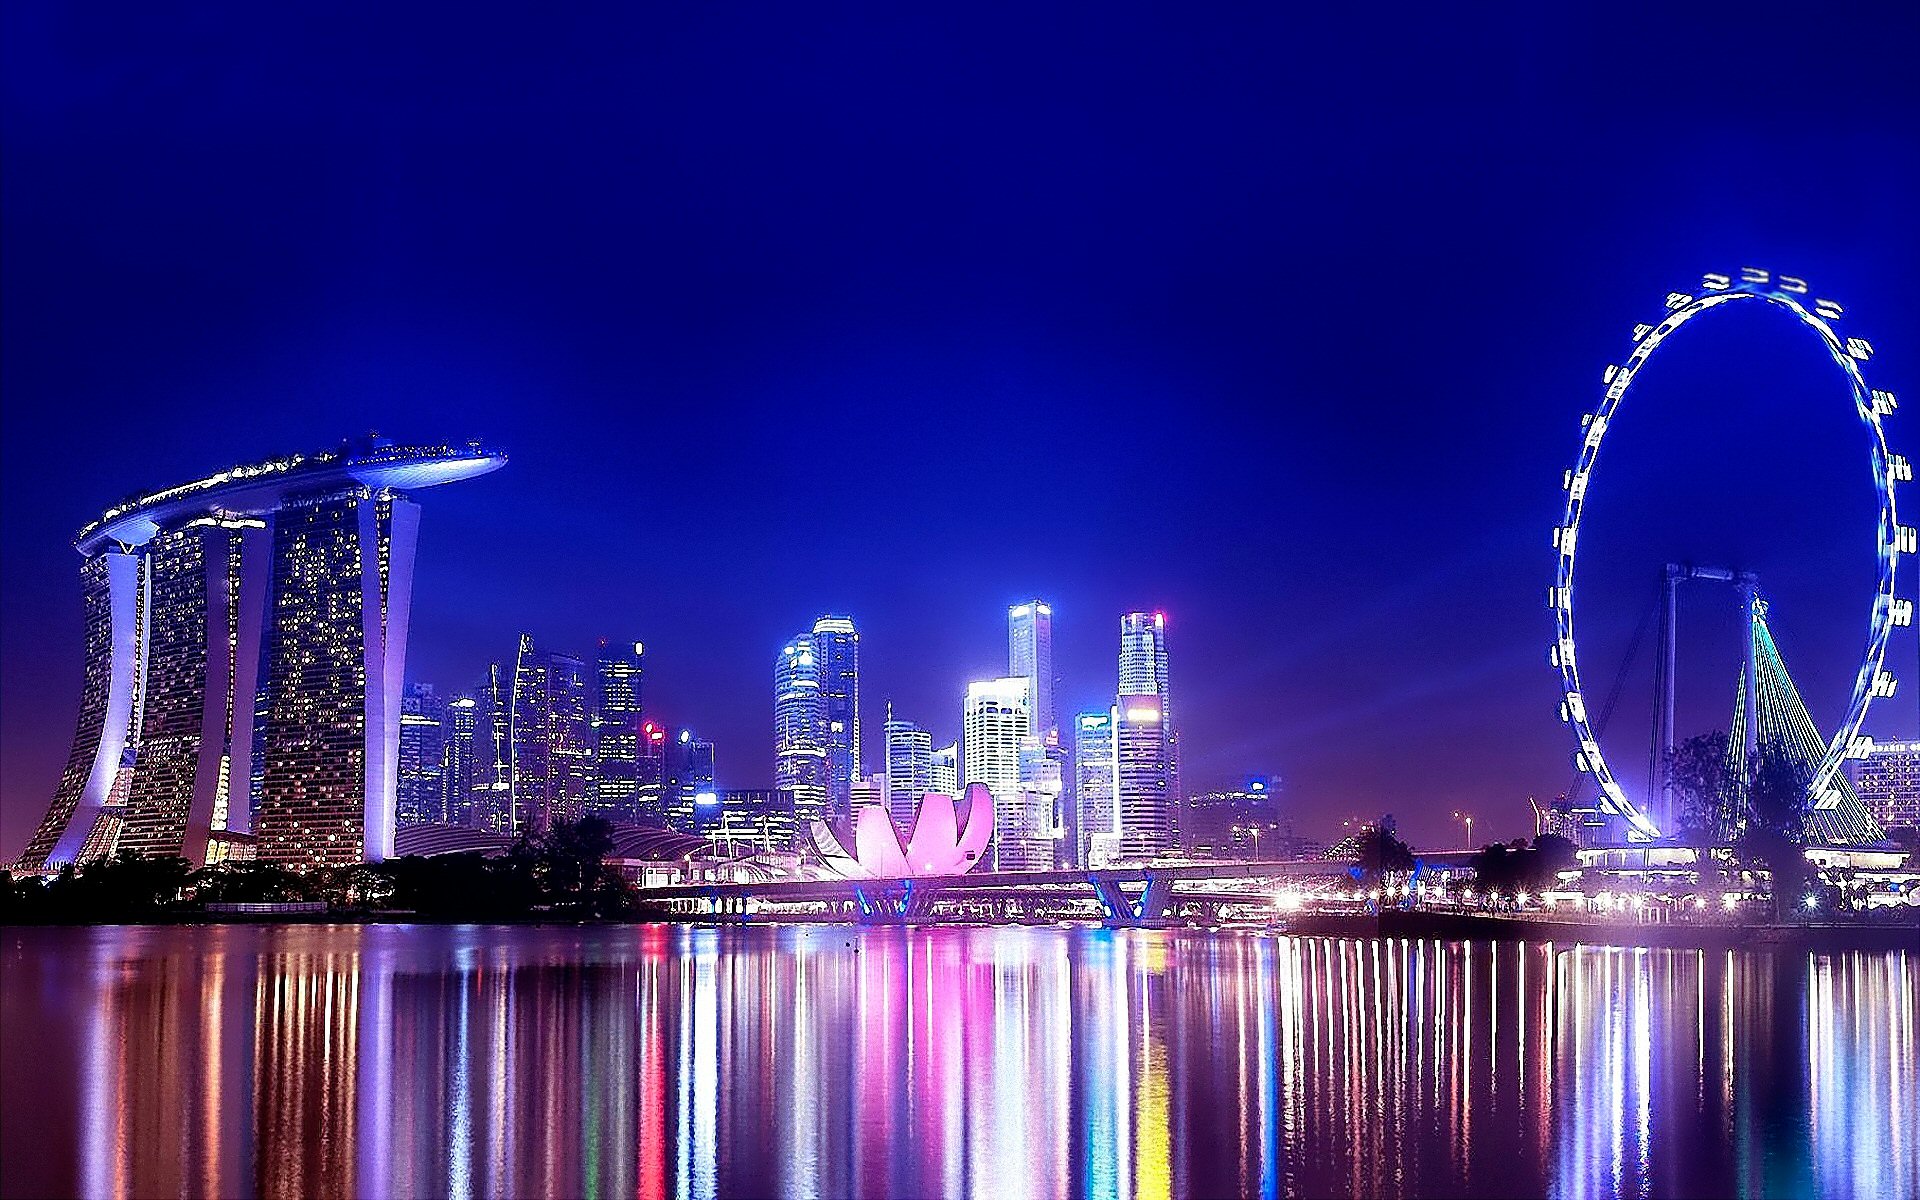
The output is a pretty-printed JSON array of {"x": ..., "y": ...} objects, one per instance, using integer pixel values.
[{"x": 1887, "y": 610}]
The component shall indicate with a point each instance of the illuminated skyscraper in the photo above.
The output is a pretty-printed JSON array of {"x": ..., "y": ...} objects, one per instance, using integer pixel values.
[
  {"x": 1142, "y": 778},
  {"x": 1043, "y": 767},
  {"x": 551, "y": 738},
  {"x": 490, "y": 804},
  {"x": 421, "y": 790},
  {"x": 1888, "y": 781},
  {"x": 650, "y": 801},
  {"x": 92, "y": 792},
  {"x": 334, "y": 662},
  {"x": 1096, "y": 813},
  {"x": 998, "y": 729},
  {"x": 836, "y": 657},
  {"x": 909, "y": 769},
  {"x": 616, "y": 732},
  {"x": 799, "y": 727},
  {"x": 1143, "y": 670},
  {"x": 943, "y": 770},
  {"x": 197, "y": 681},
  {"x": 1143, "y": 655},
  {"x": 246, "y": 642},
  {"x": 690, "y": 781},
  {"x": 456, "y": 777},
  {"x": 1030, "y": 654}
]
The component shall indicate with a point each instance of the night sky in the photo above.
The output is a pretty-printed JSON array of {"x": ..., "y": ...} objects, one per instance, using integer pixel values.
[{"x": 1284, "y": 327}]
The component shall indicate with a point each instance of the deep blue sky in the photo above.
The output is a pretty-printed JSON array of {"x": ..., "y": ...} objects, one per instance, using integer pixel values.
[{"x": 1280, "y": 321}]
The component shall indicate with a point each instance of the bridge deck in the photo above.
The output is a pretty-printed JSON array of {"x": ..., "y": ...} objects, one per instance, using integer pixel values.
[{"x": 841, "y": 889}]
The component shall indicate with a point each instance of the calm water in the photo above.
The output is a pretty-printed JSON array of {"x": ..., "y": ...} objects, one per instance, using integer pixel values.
[{"x": 671, "y": 1061}]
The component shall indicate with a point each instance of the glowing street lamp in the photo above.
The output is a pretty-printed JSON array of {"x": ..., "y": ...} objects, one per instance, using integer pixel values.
[{"x": 1468, "y": 818}]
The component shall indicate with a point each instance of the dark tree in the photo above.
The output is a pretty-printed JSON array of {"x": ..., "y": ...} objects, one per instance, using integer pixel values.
[
  {"x": 1380, "y": 852},
  {"x": 251, "y": 883},
  {"x": 1515, "y": 867},
  {"x": 1775, "y": 834},
  {"x": 1556, "y": 854},
  {"x": 1704, "y": 791}
]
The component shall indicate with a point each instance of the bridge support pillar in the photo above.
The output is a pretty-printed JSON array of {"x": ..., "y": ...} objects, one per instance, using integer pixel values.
[
  {"x": 1156, "y": 901},
  {"x": 1122, "y": 910}
]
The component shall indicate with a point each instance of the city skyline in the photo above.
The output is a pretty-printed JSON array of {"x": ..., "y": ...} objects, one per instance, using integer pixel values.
[
  {"x": 1143, "y": 665},
  {"x": 1308, "y": 387},
  {"x": 1064, "y": 601}
]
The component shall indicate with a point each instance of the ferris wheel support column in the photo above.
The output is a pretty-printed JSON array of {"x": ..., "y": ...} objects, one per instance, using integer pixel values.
[{"x": 1669, "y": 664}]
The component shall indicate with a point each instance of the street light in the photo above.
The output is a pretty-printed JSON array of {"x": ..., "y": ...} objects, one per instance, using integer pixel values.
[{"x": 1468, "y": 818}]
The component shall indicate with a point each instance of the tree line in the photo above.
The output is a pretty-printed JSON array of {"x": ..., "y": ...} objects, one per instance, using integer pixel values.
[{"x": 562, "y": 874}]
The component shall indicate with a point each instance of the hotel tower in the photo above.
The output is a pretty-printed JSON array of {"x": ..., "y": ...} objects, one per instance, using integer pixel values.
[{"x": 246, "y": 642}]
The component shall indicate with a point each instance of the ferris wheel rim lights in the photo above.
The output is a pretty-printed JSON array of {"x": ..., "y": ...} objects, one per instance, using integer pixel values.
[{"x": 1893, "y": 539}]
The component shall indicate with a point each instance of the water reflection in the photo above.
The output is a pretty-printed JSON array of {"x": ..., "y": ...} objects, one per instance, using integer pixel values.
[{"x": 671, "y": 1062}]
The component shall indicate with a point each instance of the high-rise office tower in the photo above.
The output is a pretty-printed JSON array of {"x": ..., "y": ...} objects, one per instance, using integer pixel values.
[
  {"x": 490, "y": 804},
  {"x": 616, "y": 731},
  {"x": 1143, "y": 670},
  {"x": 1096, "y": 811},
  {"x": 246, "y": 637},
  {"x": 836, "y": 656},
  {"x": 943, "y": 770},
  {"x": 997, "y": 726},
  {"x": 421, "y": 790},
  {"x": 909, "y": 768},
  {"x": 551, "y": 738},
  {"x": 1143, "y": 778},
  {"x": 799, "y": 728},
  {"x": 456, "y": 776},
  {"x": 1030, "y": 654},
  {"x": 650, "y": 797},
  {"x": 1042, "y": 783},
  {"x": 1143, "y": 655},
  {"x": 690, "y": 777}
]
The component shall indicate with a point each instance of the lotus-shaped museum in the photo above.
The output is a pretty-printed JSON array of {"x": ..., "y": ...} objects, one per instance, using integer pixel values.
[{"x": 942, "y": 841}]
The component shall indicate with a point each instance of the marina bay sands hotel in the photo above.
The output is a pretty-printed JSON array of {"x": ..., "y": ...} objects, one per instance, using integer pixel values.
[{"x": 246, "y": 643}]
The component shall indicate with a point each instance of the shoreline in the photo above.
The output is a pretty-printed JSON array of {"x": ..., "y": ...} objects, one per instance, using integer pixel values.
[
  {"x": 1672, "y": 936},
  {"x": 1878, "y": 936}
]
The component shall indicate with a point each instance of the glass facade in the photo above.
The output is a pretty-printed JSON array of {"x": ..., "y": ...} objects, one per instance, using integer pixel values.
[
  {"x": 1143, "y": 779},
  {"x": 457, "y": 761},
  {"x": 909, "y": 770},
  {"x": 799, "y": 726},
  {"x": 1143, "y": 671},
  {"x": 616, "y": 732},
  {"x": 836, "y": 656},
  {"x": 1030, "y": 654},
  {"x": 943, "y": 770},
  {"x": 551, "y": 738},
  {"x": 1096, "y": 811},
  {"x": 996, "y": 724},
  {"x": 490, "y": 800},
  {"x": 690, "y": 780},
  {"x": 421, "y": 791}
]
